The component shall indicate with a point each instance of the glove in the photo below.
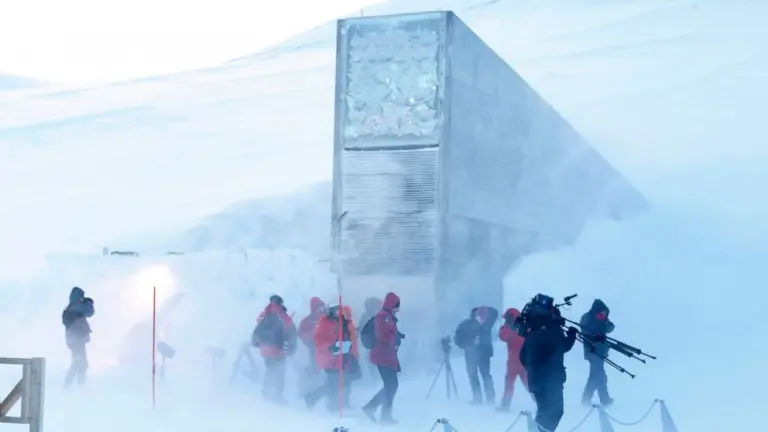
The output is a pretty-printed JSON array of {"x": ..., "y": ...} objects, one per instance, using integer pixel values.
[
  {"x": 287, "y": 348},
  {"x": 572, "y": 331},
  {"x": 476, "y": 341},
  {"x": 597, "y": 337}
]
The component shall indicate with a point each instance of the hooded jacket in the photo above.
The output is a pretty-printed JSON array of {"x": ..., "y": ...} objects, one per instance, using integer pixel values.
[
  {"x": 372, "y": 307},
  {"x": 469, "y": 329},
  {"x": 508, "y": 335},
  {"x": 326, "y": 335},
  {"x": 277, "y": 340},
  {"x": 75, "y": 317},
  {"x": 596, "y": 322},
  {"x": 307, "y": 325},
  {"x": 384, "y": 352}
]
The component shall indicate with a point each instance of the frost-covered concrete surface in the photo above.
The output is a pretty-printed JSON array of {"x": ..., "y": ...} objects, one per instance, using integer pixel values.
[{"x": 670, "y": 92}]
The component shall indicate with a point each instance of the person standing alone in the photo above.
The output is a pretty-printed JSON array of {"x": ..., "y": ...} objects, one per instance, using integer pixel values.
[{"x": 77, "y": 333}]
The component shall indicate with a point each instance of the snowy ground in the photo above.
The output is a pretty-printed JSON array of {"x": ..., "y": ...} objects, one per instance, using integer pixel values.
[
  {"x": 671, "y": 92},
  {"x": 222, "y": 294}
]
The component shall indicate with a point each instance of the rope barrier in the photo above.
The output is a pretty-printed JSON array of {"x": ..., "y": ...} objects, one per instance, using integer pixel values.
[
  {"x": 605, "y": 420},
  {"x": 517, "y": 419},
  {"x": 636, "y": 422},
  {"x": 589, "y": 413}
]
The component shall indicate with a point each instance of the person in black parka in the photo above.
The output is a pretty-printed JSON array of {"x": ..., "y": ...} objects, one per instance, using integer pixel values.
[
  {"x": 543, "y": 357},
  {"x": 474, "y": 336},
  {"x": 595, "y": 324},
  {"x": 77, "y": 333}
]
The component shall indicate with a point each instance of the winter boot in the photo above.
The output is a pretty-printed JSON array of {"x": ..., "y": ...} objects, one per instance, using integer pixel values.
[
  {"x": 386, "y": 417},
  {"x": 505, "y": 404},
  {"x": 370, "y": 412}
]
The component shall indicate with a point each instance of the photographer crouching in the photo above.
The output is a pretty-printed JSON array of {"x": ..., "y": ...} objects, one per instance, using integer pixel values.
[{"x": 543, "y": 355}]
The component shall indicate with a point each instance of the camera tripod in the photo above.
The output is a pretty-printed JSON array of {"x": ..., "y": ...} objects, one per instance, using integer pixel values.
[{"x": 445, "y": 366}]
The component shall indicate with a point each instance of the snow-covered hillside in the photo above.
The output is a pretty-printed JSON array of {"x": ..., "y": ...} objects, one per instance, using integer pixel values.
[
  {"x": 656, "y": 86},
  {"x": 15, "y": 82},
  {"x": 671, "y": 92}
]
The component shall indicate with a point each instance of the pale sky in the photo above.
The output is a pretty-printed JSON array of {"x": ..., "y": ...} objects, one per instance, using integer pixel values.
[{"x": 92, "y": 41}]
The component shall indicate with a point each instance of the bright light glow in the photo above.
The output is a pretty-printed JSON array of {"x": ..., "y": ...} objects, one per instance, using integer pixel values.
[{"x": 141, "y": 284}]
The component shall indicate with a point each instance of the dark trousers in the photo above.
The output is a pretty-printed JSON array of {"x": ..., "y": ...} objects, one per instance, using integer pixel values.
[
  {"x": 386, "y": 396},
  {"x": 330, "y": 391},
  {"x": 371, "y": 372},
  {"x": 79, "y": 364},
  {"x": 479, "y": 365},
  {"x": 597, "y": 381},
  {"x": 274, "y": 378},
  {"x": 549, "y": 406}
]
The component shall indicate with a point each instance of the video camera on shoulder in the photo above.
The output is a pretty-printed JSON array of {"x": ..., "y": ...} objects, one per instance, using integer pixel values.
[{"x": 538, "y": 312}]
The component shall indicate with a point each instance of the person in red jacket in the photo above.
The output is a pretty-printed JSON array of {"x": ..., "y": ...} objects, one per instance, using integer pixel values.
[
  {"x": 384, "y": 356},
  {"x": 275, "y": 336},
  {"x": 336, "y": 351},
  {"x": 307, "y": 330},
  {"x": 515, "y": 369}
]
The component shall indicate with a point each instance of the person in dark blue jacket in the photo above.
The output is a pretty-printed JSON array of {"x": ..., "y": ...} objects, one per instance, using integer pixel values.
[
  {"x": 594, "y": 325},
  {"x": 77, "y": 333},
  {"x": 474, "y": 336},
  {"x": 543, "y": 357}
]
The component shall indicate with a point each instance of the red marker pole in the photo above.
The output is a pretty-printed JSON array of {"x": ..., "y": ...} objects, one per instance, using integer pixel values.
[
  {"x": 154, "y": 335},
  {"x": 341, "y": 360}
]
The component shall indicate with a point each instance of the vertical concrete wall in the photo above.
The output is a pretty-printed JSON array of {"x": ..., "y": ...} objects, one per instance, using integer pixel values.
[
  {"x": 389, "y": 122},
  {"x": 451, "y": 168}
]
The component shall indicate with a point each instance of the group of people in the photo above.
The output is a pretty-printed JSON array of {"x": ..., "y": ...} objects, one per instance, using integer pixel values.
[
  {"x": 333, "y": 341},
  {"x": 536, "y": 358},
  {"x": 334, "y": 344}
]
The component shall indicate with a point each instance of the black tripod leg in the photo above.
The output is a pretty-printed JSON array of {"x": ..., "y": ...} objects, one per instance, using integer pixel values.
[
  {"x": 434, "y": 381},
  {"x": 447, "y": 380},
  {"x": 451, "y": 379}
]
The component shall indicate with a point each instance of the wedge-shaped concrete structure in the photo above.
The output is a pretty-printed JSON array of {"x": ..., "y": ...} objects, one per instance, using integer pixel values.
[{"x": 449, "y": 168}]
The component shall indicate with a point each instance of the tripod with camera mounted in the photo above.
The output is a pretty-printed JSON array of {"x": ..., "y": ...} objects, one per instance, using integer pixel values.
[{"x": 445, "y": 366}]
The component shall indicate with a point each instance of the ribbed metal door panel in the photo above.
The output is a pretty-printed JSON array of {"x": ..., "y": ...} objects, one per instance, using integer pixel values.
[{"x": 390, "y": 197}]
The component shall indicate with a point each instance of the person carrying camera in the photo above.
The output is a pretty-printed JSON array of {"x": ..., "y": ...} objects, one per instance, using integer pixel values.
[
  {"x": 337, "y": 352},
  {"x": 275, "y": 336},
  {"x": 543, "y": 356},
  {"x": 473, "y": 335},
  {"x": 514, "y": 341},
  {"x": 77, "y": 333},
  {"x": 595, "y": 325},
  {"x": 384, "y": 356}
]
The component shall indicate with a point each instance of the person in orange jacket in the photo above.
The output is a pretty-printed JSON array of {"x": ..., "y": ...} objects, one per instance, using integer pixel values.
[
  {"x": 515, "y": 369},
  {"x": 337, "y": 354},
  {"x": 307, "y": 330},
  {"x": 275, "y": 336}
]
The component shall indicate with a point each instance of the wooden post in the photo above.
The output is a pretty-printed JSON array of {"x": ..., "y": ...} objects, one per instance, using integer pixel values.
[{"x": 30, "y": 390}]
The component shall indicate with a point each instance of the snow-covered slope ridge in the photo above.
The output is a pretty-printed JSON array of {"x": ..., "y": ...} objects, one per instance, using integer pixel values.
[
  {"x": 656, "y": 86},
  {"x": 15, "y": 82}
]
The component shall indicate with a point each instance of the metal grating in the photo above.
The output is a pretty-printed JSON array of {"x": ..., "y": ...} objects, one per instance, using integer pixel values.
[{"x": 391, "y": 225}]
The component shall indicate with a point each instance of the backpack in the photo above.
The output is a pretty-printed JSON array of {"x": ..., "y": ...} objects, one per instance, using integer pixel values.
[
  {"x": 268, "y": 331},
  {"x": 368, "y": 334},
  {"x": 68, "y": 318}
]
